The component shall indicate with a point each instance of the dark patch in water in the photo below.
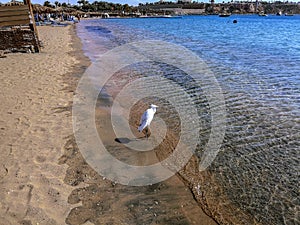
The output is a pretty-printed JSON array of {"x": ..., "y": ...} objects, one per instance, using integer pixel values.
[{"x": 98, "y": 29}]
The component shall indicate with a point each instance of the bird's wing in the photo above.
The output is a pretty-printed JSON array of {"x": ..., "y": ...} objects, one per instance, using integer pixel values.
[
  {"x": 144, "y": 117},
  {"x": 143, "y": 121}
]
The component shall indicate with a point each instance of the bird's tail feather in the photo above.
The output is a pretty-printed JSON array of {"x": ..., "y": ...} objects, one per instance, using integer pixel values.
[
  {"x": 139, "y": 128},
  {"x": 142, "y": 127}
]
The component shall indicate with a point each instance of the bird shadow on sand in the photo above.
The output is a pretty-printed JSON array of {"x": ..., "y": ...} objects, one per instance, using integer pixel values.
[{"x": 124, "y": 140}]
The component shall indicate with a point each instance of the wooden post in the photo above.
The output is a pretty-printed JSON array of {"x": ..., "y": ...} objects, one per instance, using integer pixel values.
[{"x": 33, "y": 26}]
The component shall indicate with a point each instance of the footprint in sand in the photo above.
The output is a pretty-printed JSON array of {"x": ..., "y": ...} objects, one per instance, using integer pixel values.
[
  {"x": 40, "y": 159},
  {"x": 3, "y": 172}
]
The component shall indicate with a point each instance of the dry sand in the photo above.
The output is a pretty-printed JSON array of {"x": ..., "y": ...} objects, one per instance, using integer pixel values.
[
  {"x": 43, "y": 177},
  {"x": 33, "y": 125}
]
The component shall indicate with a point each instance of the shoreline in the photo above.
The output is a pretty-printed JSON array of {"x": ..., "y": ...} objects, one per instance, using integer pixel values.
[{"x": 162, "y": 208}]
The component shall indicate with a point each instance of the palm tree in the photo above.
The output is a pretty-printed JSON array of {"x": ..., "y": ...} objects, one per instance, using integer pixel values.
[
  {"x": 47, "y": 4},
  {"x": 82, "y": 2},
  {"x": 126, "y": 8}
]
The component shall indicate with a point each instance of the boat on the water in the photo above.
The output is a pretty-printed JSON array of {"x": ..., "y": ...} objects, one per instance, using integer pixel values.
[
  {"x": 262, "y": 14},
  {"x": 160, "y": 16},
  {"x": 224, "y": 14}
]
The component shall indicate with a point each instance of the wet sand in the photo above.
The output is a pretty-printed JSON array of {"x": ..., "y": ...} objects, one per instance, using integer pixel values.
[{"x": 43, "y": 177}]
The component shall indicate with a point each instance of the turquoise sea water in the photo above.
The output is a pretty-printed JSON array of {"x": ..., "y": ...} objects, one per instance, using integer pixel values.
[{"x": 257, "y": 64}]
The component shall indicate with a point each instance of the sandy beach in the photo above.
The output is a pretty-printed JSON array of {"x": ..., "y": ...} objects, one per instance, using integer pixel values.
[
  {"x": 34, "y": 123},
  {"x": 43, "y": 177}
]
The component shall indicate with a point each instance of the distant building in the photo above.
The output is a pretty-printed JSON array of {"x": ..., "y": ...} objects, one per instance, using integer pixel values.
[
  {"x": 184, "y": 1},
  {"x": 252, "y": 8}
]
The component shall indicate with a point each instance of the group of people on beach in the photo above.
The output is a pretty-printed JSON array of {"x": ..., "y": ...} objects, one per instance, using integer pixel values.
[{"x": 50, "y": 17}]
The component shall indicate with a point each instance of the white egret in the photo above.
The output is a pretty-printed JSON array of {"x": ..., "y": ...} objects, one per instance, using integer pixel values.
[{"x": 146, "y": 119}]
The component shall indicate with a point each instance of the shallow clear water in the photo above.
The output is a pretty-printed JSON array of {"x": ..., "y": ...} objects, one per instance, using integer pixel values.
[{"x": 257, "y": 64}]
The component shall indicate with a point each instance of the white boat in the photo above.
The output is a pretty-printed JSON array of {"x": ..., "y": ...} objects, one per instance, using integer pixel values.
[
  {"x": 224, "y": 14},
  {"x": 160, "y": 16},
  {"x": 262, "y": 14}
]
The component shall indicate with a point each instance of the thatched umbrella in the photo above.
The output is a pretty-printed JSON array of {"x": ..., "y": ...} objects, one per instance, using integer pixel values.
[
  {"x": 37, "y": 8},
  {"x": 69, "y": 10},
  {"x": 59, "y": 10},
  {"x": 78, "y": 12},
  {"x": 12, "y": 3}
]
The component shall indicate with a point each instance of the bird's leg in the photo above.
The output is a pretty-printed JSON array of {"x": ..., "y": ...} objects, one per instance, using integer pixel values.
[{"x": 148, "y": 132}]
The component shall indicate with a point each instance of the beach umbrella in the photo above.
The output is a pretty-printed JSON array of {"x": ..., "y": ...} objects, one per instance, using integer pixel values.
[
  {"x": 13, "y": 3},
  {"x": 69, "y": 10},
  {"x": 37, "y": 8},
  {"x": 49, "y": 10},
  {"x": 59, "y": 9},
  {"x": 78, "y": 12}
]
